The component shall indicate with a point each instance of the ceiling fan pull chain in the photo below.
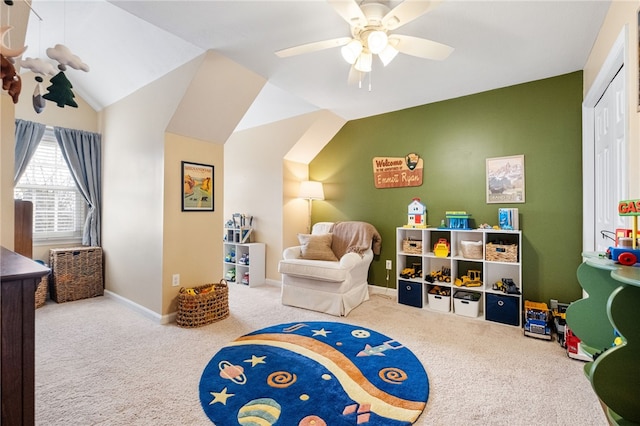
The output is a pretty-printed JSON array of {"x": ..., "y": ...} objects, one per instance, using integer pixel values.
[{"x": 370, "y": 80}]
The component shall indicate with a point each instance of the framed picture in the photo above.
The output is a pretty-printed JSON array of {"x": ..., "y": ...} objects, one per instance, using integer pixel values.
[
  {"x": 197, "y": 187},
  {"x": 505, "y": 179}
]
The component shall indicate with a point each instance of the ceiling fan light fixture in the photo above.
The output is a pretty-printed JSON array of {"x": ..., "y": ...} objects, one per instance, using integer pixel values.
[
  {"x": 377, "y": 41},
  {"x": 363, "y": 64},
  {"x": 387, "y": 54},
  {"x": 351, "y": 51}
]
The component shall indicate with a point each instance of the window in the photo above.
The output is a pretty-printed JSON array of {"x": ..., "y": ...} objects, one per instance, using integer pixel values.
[{"x": 59, "y": 209}]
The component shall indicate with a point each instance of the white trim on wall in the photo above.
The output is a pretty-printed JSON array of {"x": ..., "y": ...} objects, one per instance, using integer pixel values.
[{"x": 615, "y": 60}]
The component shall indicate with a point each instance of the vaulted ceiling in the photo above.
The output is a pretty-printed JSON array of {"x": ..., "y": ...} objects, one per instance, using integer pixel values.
[{"x": 129, "y": 44}]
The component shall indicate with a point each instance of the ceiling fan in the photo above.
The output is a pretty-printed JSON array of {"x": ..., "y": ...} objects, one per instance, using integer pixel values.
[{"x": 372, "y": 23}]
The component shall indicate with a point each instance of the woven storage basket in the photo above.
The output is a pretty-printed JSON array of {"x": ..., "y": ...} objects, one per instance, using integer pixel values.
[
  {"x": 471, "y": 249},
  {"x": 76, "y": 273},
  {"x": 41, "y": 292},
  {"x": 502, "y": 252},
  {"x": 209, "y": 304},
  {"x": 412, "y": 246}
]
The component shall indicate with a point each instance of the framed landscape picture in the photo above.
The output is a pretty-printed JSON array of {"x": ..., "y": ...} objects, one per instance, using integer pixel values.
[
  {"x": 505, "y": 179},
  {"x": 197, "y": 187}
]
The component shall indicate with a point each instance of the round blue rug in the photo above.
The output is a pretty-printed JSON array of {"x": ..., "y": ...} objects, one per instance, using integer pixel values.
[{"x": 314, "y": 373}]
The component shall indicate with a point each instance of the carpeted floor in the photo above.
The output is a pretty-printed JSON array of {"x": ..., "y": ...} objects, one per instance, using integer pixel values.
[{"x": 100, "y": 363}]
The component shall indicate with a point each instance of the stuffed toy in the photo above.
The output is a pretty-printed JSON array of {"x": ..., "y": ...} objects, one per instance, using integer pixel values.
[
  {"x": 11, "y": 82},
  {"x": 10, "y": 79}
]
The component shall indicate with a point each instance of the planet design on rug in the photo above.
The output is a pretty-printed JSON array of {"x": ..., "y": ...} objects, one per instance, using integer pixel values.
[{"x": 314, "y": 373}]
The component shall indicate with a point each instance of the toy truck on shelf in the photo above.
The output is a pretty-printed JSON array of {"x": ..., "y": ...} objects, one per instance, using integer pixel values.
[
  {"x": 537, "y": 320},
  {"x": 473, "y": 278},
  {"x": 412, "y": 271},
  {"x": 443, "y": 275}
]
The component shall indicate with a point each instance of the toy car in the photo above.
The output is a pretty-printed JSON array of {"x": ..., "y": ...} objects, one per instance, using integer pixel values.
[
  {"x": 411, "y": 272},
  {"x": 230, "y": 275},
  {"x": 623, "y": 255}
]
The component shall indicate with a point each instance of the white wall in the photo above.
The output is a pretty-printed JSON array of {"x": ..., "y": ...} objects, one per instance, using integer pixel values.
[
  {"x": 255, "y": 176},
  {"x": 622, "y": 15},
  {"x": 133, "y": 187}
]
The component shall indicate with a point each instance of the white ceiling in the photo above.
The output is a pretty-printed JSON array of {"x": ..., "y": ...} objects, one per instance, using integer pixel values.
[{"x": 128, "y": 44}]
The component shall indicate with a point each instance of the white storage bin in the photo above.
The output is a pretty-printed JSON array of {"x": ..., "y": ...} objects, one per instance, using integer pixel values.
[
  {"x": 439, "y": 303},
  {"x": 466, "y": 303},
  {"x": 471, "y": 249}
]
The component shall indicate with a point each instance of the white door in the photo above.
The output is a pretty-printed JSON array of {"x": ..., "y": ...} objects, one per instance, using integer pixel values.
[{"x": 610, "y": 165}]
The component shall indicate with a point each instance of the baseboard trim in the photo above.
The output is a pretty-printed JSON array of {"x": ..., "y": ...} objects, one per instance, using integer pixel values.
[
  {"x": 162, "y": 319},
  {"x": 274, "y": 283},
  {"x": 384, "y": 291}
]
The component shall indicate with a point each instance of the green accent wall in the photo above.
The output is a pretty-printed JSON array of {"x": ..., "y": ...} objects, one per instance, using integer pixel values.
[{"x": 541, "y": 120}]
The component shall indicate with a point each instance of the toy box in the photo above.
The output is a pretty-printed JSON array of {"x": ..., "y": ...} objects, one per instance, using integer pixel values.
[{"x": 466, "y": 303}]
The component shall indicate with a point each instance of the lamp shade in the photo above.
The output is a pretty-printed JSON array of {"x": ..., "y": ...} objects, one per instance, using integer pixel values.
[
  {"x": 387, "y": 54},
  {"x": 377, "y": 41},
  {"x": 351, "y": 51},
  {"x": 363, "y": 64},
  {"x": 311, "y": 190}
]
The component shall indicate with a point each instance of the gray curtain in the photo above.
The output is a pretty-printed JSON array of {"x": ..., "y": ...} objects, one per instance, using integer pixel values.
[
  {"x": 28, "y": 136},
  {"x": 83, "y": 153}
]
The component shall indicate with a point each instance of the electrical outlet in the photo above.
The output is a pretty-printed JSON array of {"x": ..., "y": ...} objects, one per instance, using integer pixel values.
[
  {"x": 388, "y": 265},
  {"x": 176, "y": 280}
]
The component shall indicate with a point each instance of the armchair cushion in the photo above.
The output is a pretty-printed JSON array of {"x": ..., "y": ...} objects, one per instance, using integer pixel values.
[{"x": 316, "y": 247}]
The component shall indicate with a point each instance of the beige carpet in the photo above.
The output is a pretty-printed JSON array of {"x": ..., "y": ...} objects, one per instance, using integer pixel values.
[{"x": 100, "y": 363}]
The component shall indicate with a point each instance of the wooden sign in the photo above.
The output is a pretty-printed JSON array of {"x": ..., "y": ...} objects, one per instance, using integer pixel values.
[{"x": 397, "y": 172}]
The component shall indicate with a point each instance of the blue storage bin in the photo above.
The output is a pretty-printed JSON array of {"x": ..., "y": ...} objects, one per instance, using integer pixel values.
[
  {"x": 410, "y": 293},
  {"x": 502, "y": 308}
]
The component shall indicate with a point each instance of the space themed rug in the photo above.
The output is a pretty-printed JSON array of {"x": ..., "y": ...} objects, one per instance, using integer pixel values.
[{"x": 314, "y": 373}]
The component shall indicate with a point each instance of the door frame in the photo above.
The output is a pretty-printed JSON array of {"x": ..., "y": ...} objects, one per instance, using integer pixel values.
[{"x": 610, "y": 67}]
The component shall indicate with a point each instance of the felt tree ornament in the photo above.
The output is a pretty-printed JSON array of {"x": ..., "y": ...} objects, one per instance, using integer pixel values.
[{"x": 60, "y": 91}]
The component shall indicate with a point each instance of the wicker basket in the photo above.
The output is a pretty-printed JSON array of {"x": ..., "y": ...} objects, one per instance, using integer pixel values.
[
  {"x": 42, "y": 291},
  {"x": 471, "y": 249},
  {"x": 207, "y": 304},
  {"x": 76, "y": 273},
  {"x": 502, "y": 252},
  {"x": 412, "y": 246}
]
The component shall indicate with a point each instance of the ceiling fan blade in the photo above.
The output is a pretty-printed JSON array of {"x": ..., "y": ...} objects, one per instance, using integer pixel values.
[
  {"x": 406, "y": 12},
  {"x": 350, "y": 12},
  {"x": 420, "y": 47},
  {"x": 313, "y": 47}
]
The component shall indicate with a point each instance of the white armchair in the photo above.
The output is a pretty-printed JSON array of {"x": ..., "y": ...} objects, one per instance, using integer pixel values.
[{"x": 336, "y": 286}]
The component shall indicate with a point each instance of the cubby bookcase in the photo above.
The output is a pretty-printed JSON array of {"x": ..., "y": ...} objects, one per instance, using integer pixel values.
[{"x": 494, "y": 253}]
